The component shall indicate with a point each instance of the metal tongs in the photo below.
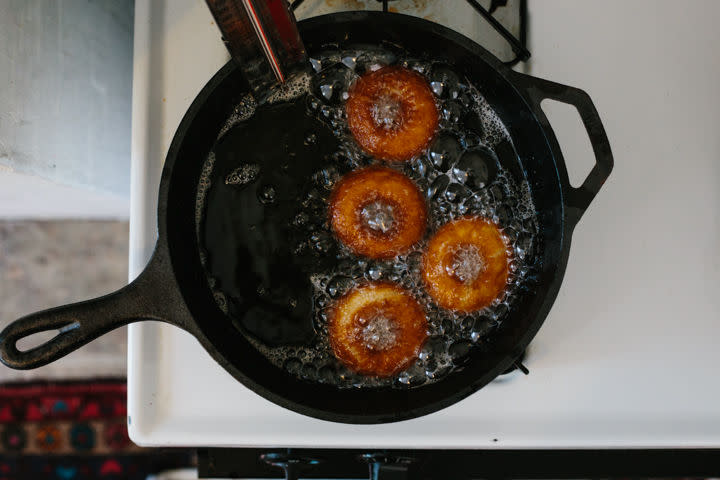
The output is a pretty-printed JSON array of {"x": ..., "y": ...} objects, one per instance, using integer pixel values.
[{"x": 262, "y": 37}]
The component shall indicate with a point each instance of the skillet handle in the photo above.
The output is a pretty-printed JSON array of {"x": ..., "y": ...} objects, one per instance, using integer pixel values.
[
  {"x": 152, "y": 296},
  {"x": 577, "y": 199}
]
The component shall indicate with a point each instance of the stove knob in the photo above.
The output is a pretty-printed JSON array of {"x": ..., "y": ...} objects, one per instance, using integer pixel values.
[
  {"x": 291, "y": 464},
  {"x": 388, "y": 467}
]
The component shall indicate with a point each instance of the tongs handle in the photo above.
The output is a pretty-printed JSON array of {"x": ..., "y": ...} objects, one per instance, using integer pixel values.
[{"x": 262, "y": 36}]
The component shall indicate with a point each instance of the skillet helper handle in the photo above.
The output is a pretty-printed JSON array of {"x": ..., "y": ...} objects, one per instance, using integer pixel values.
[
  {"x": 149, "y": 297},
  {"x": 577, "y": 200},
  {"x": 262, "y": 37}
]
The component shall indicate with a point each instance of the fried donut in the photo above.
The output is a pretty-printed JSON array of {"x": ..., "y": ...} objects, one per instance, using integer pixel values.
[
  {"x": 377, "y": 212},
  {"x": 465, "y": 266},
  {"x": 377, "y": 329},
  {"x": 392, "y": 113}
]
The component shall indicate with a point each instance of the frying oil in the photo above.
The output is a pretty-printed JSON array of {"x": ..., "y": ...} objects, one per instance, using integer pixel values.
[{"x": 463, "y": 172}]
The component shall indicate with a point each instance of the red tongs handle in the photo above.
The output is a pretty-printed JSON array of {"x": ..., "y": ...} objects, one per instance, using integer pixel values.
[{"x": 262, "y": 37}]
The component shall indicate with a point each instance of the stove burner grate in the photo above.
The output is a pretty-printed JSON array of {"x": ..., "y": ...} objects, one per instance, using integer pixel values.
[{"x": 518, "y": 45}]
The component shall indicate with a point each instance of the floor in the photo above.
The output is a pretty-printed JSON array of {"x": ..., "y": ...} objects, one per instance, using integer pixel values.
[{"x": 49, "y": 263}]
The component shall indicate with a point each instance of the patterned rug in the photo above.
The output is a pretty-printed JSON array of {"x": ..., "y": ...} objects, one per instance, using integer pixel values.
[{"x": 74, "y": 431}]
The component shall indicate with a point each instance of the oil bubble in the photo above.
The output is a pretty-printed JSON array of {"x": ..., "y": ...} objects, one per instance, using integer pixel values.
[
  {"x": 327, "y": 177},
  {"x": 457, "y": 193},
  {"x": 498, "y": 192},
  {"x": 375, "y": 273},
  {"x": 476, "y": 167},
  {"x": 301, "y": 219},
  {"x": 243, "y": 175},
  {"x": 332, "y": 82},
  {"x": 267, "y": 194},
  {"x": 438, "y": 186},
  {"x": 308, "y": 371},
  {"x": 350, "y": 60},
  {"x": 242, "y": 111},
  {"x": 327, "y": 374},
  {"x": 370, "y": 61},
  {"x": 503, "y": 214},
  {"x": 444, "y": 151},
  {"x": 321, "y": 242},
  {"x": 338, "y": 285},
  {"x": 412, "y": 377},
  {"x": 292, "y": 88},
  {"x": 316, "y": 64},
  {"x": 293, "y": 365},
  {"x": 444, "y": 82},
  {"x": 459, "y": 351}
]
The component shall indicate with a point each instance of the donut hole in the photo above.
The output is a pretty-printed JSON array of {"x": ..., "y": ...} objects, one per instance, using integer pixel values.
[
  {"x": 379, "y": 216},
  {"x": 378, "y": 331},
  {"x": 466, "y": 264},
  {"x": 386, "y": 112}
]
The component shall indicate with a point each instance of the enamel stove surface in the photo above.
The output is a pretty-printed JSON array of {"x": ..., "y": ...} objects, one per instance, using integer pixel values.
[{"x": 626, "y": 357}]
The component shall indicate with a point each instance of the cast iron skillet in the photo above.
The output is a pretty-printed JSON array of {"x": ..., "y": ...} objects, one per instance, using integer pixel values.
[{"x": 174, "y": 289}]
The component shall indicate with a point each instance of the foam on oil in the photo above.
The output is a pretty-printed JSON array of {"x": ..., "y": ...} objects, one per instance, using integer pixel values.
[{"x": 461, "y": 173}]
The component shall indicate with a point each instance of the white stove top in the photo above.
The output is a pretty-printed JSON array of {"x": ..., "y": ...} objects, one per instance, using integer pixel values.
[{"x": 627, "y": 356}]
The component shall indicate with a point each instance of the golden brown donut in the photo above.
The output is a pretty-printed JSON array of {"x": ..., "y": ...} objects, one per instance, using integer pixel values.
[
  {"x": 465, "y": 266},
  {"x": 392, "y": 113},
  {"x": 377, "y": 329},
  {"x": 377, "y": 212}
]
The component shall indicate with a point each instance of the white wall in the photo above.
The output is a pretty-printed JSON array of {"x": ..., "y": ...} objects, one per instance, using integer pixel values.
[{"x": 65, "y": 94}]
